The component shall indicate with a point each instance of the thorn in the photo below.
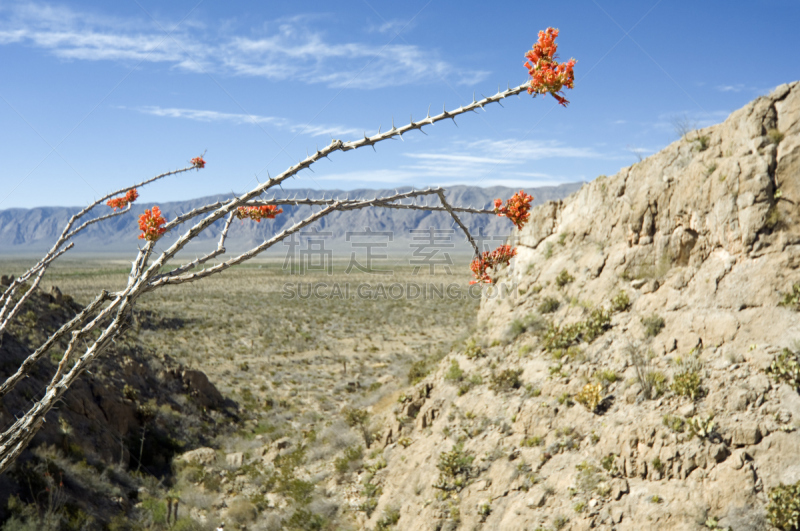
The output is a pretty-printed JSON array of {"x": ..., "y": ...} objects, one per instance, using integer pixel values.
[
  {"x": 423, "y": 132},
  {"x": 379, "y": 129},
  {"x": 444, "y": 111},
  {"x": 412, "y": 119},
  {"x": 454, "y": 120},
  {"x": 500, "y": 104},
  {"x": 429, "y": 112},
  {"x": 473, "y": 97},
  {"x": 373, "y": 147},
  {"x": 393, "y": 128}
]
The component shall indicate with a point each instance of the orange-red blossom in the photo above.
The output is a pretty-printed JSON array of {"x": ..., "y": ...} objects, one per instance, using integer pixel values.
[
  {"x": 489, "y": 260},
  {"x": 122, "y": 202},
  {"x": 258, "y": 213},
  {"x": 516, "y": 209},
  {"x": 151, "y": 224},
  {"x": 198, "y": 162},
  {"x": 547, "y": 74}
]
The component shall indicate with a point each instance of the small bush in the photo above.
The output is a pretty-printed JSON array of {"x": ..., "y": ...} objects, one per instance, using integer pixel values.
[
  {"x": 472, "y": 350},
  {"x": 389, "y": 518},
  {"x": 792, "y": 299},
  {"x": 419, "y": 370},
  {"x": 549, "y": 305},
  {"x": 702, "y": 142},
  {"x": 653, "y": 325},
  {"x": 590, "y": 396},
  {"x": 653, "y": 382},
  {"x": 687, "y": 384},
  {"x": 506, "y": 380},
  {"x": 564, "y": 278},
  {"x": 455, "y": 469},
  {"x": 687, "y": 378},
  {"x": 774, "y": 136},
  {"x": 783, "y": 510},
  {"x": 621, "y": 302},
  {"x": 454, "y": 373},
  {"x": 606, "y": 377},
  {"x": 785, "y": 368},
  {"x": 352, "y": 455},
  {"x": 676, "y": 424}
]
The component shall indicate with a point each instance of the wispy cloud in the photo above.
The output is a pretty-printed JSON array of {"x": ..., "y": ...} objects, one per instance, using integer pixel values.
[
  {"x": 731, "y": 88},
  {"x": 286, "y": 49},
  {"x": 234, "y": 118}
]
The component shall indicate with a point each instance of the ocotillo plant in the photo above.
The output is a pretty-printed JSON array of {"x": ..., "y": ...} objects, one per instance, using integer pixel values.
[{"x": 97, "y": 324}]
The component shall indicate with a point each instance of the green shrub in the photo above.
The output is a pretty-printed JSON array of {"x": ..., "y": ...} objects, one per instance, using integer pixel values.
[
  {"x": 454, "y": 372},
  {"x": 564, "y": 278},
  {"x": 687, "y": 384},
  {"x": 606, "y": 377},
  {"x": 653, "y": 325},
  {"x": 506, "y": 380},
  {"x": 785, "y": 368},
  {"x": 702, "y": 142},
  {"x": 351, "y": 455},
  {"x": 590, "y": 396},
  {"x": 621, "y": 302},
  {"x": 419, "y": 370},
  {"x": 792, "y": 299},
  {"x": 455, "y": 469},
  {"x": 783, "y": 510},
  {"x": 676, "y": 424},
  {"x": 472, "y": 350},
  {"x": 389, "y": 518},
  {"x": 303, "y": 520},
  {"x": 548, "y": 305}
]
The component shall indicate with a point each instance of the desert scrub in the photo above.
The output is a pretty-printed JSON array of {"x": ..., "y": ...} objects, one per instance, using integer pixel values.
[
  {"x": 472, "y": 350},
  {"x": 359, "y": 419},
  {"x": 783, "y": 510},
  {"x": 621, "y": 302},
  {"x": 419, "y": 370},
  {"x": 506, "y": 380},
  {"x": 455, "y": 469},
  {"x": 548, "y": 305},
  {"x": 454, "y": 373},
  {"x": 349, "y": 461},
  {"x": 785, "y": 368},
  {"x": 389, "y": 518},
  {"x": 653, "y": 325},
  {"x": 686, "y": 381},
  {"x": 606, "y": 377},
  {"x": 676, "y": 424},
  {"x": 590, "y": 396},
  {"x": 774, "y": 136},
  {"x": 564, "y": 278},
  {"x": 792, "y": 299}
]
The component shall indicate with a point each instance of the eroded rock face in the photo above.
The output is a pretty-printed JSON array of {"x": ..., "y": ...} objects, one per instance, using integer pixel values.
[{"x": 704, "y": 236}]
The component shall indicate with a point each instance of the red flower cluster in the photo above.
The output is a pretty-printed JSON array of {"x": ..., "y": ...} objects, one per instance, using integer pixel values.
[
  {"x": 122, "y": 202},
  {"x": 198, "y": 162},
  {"x": 516, "y": 209},
  {"x": 547, "y": 75},
  {"x": 258, "y": 213},
  {"x": 488, "y": 260},
  {"x": 150, "y": 223}
]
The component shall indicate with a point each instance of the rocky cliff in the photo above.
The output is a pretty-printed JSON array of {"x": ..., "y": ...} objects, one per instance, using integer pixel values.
[{"x": 639, "y": 371}]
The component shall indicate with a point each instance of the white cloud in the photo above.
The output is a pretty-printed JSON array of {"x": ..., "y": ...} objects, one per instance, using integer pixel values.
[
  {"x": 731, "y": 88},
  {"x": 236, "y": 118},
  {"x": 289, "y": 49}
]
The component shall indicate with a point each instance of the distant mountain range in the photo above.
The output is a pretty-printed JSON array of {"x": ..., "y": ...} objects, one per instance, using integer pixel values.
[{"x": 30, "y": 231}]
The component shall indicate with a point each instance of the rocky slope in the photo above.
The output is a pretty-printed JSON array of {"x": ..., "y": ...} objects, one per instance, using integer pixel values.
[{"x": 624, "y": 381}]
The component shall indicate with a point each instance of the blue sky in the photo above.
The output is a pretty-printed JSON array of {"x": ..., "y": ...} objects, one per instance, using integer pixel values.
[{"x": 96, "y": 95}]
